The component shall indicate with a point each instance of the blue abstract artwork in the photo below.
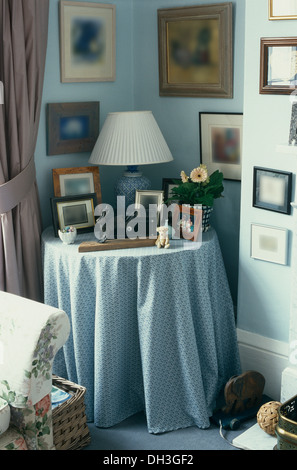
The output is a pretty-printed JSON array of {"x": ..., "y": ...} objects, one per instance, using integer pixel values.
[
  {"x": 74, "y": 127},
  {"x": 88, "y": 40}
]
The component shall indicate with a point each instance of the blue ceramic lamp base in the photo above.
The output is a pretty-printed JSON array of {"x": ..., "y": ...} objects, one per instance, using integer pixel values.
[{"x": 127, "y": 185}]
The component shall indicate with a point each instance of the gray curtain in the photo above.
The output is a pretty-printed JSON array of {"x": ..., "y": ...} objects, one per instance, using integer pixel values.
[{"x": 23, "y": 43}]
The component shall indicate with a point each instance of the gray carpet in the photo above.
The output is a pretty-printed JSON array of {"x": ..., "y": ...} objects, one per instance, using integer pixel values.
[{"x": 132, "y": 434}]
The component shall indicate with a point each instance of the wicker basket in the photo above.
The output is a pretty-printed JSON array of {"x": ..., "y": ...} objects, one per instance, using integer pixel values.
[{"x": 69, "y": 419}]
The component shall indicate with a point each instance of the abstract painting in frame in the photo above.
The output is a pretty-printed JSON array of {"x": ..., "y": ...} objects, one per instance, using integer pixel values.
[
  {"x": 221, "y": 143},
  {"x": 72, "y": 127},
  {"x": 195, "y": 51},
  {"x": 87, "y": 41},
  {"x": 282, "y": 9}
]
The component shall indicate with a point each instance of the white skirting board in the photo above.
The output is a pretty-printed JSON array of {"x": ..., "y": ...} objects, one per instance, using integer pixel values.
[{"x": 265, "y": 355}]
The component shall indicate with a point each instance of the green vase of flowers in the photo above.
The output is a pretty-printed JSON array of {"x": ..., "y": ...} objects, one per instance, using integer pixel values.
[{"x": 199, "y": 188}]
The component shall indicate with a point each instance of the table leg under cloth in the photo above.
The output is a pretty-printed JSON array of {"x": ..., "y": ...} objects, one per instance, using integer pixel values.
[{"x": 151, "y": 331}]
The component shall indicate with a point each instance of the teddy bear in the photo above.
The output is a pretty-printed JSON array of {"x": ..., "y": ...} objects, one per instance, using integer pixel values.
[{"x": 162, "y": 239}]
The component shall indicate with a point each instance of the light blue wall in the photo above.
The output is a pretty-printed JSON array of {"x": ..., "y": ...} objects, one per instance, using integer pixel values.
[
  {"x": 264, "y": 288},
  {"x": 136, "y": 87},
  {"x": 113, "y": 96}
]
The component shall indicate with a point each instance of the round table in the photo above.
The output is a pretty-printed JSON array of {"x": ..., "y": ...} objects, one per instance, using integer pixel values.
[{"x": 151, "y": 329}]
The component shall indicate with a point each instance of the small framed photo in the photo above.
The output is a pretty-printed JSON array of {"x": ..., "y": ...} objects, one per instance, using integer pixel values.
[
  {"x": 77, "y": 180},
  {"x": 167, "y": 185},
  {"x": 272, "y": 190},
  {"x": 221, "y": 143},
  {"x": 278, "y": 65},
  {"x": 269, "y": 243},
  {"x": 282, "y": 9},
  {"x": 195, "y": 51},
  {"x": 72, "y": 127},
  {"x": 187, "y": 222},
  {"x": 87, "y": 42},
  {"x": 146, "y": 197},
  {"x": 77, "y": 211}
]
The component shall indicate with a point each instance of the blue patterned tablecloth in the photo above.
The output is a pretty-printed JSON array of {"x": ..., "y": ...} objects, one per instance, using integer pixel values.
[{"x": 152, "y": 329}]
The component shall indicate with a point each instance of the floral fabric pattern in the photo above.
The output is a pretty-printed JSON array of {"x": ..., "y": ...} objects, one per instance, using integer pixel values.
[{"x": 31, "y": 334}]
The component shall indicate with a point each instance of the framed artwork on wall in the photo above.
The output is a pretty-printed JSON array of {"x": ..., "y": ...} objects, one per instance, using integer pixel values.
[
  {"x": 282, "y": 9},
  {"x": 76, "y": 181},
  {"x": 87, "y": 41},
  {"x": 72, "y": 127},
  {"x": 221, "y": 143},
  {"x": 195, "y": 51},
  {"x": 272, "y": 190},
  {"x": 76, "y": 211},
  {"x": 278, "y": 65},
  {"x": 269, "y": 243}
]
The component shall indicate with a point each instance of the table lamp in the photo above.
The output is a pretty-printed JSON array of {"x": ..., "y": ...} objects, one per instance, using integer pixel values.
[{"x": 131, "y": 139}]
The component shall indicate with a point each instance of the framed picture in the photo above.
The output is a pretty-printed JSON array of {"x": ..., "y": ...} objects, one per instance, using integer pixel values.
[
  {"x": 167, "y": 185},
  {"x": 76, "y": 181},
  {"x": 72, "y": 127},
  {"x": 87, "y": 42},
  {"x": 221, "y": 143},
  {"x": 77, "y": 211},
  {"x": 282, "y": 9},
  {"x": 272, "y": 190},
  {"x": 146, "y": 197},
  {"x": 269, "y": 243},
  {"x": 278, "y": 65},
  {"x": 187, "y": 222},
  {"x": 195, "y": 51}
]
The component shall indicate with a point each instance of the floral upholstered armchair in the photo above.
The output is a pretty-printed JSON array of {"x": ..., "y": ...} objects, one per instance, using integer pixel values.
[{"x": 31, "y": 333}]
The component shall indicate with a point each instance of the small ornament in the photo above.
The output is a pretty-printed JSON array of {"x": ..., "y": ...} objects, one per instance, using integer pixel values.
[
  {"x": 267, "y": 417},
  {"x": 163, "y": 239},
  {"x": 68, "y": 235}
]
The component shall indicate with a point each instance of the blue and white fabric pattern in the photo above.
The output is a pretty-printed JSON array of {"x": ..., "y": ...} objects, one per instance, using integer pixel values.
[{"x": 151, "y": 329}]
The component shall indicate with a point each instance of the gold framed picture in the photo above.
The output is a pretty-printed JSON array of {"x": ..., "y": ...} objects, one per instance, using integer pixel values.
[
  {"x": 195, "y": 51},
  {"x": 87, "y": 41},
  {"x": 282, "y": 9},
  {"x": 75, "y": 181}
]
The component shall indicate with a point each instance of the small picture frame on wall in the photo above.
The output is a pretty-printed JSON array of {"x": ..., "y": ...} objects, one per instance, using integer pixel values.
[
  {"x": 269, "y": 243},
  {"x": 282, "y": 9},
  {"x": 278, "y": 65},
  {"x": 195, "y": 51},
  {"x": 72, "y": 127},
  {"x": 77, "y": 180},
  {"x": 272, "y": 190},
  {"x": 87, "y": 42},
  {"x": 76, "y": 211},
  {"x": 221, "y": 143}
]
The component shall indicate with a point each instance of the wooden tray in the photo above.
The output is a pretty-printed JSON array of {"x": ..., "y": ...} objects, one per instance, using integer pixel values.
[{"x": 120, "y": 244}]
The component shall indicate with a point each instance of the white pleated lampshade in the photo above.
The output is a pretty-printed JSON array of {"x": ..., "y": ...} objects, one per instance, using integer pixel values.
[{"x": 130, "y": 138}]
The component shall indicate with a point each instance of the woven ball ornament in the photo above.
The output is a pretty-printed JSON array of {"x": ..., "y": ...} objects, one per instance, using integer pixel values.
[{"x": 267, "y": 417}]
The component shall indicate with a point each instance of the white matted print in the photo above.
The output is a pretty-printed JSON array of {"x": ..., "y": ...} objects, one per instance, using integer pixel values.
[
  {"x": 221, "y": 143},
  {"x": 269, "y": 243}
]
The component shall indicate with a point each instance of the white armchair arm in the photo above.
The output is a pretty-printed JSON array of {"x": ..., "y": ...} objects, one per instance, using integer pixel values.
[{"x": 31, "y": 333}]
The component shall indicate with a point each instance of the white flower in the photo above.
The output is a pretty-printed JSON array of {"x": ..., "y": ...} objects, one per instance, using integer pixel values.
[{"x": 199, "y": 175}]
